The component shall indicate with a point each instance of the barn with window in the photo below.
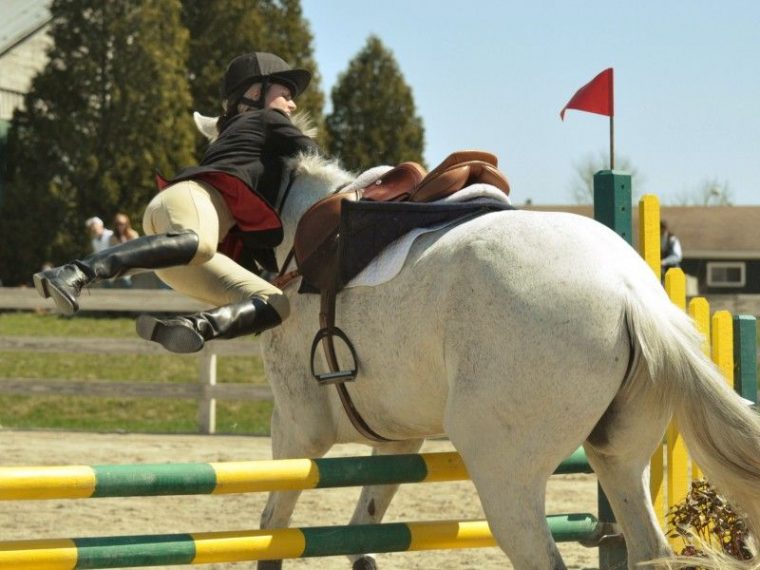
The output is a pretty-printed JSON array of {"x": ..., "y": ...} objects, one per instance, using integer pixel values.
[{"x": 23, "y": 52}]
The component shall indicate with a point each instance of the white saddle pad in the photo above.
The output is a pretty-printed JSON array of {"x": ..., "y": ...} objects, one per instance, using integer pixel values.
[{"x": 391, "y": 260}]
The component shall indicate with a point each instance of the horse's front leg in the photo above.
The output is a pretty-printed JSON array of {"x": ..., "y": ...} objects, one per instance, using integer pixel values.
[
  {"x": 374, "y": 499},
  {"x": 289, "y": 441}
]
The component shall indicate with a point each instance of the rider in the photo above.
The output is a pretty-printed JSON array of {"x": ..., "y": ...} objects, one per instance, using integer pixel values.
[{"x": 235, "y": 188}]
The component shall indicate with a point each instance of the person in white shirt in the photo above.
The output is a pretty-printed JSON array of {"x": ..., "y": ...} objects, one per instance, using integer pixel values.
[
  {"x": 101, "y": 236},
  {"x": 671, "y": 253}
]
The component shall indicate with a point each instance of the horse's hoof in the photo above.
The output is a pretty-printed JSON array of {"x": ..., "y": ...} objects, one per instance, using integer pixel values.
[
  {"x": 269, "y": 565},
  {"x": 365, "y": 563}
]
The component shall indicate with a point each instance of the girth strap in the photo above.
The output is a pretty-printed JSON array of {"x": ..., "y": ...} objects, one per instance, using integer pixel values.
[{"x": 326, "y": 335}]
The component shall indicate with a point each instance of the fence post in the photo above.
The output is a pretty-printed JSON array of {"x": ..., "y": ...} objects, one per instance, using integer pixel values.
[
  {"x": 612, "y": 207},
  {"x": 649, "y": 249},
  {"x": 207, "y": 378},
  {"x": 745, "y": 356}
]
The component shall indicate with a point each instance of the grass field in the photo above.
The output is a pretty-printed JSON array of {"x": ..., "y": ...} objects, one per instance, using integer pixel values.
[{"x": 106, "y": 414}]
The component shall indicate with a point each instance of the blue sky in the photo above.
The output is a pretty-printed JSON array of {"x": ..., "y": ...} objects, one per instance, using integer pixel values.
[{"x": 495, "y": 74}]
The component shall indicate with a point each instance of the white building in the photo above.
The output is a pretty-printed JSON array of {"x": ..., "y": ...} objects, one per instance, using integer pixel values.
[{"x": 24, "y": 42}]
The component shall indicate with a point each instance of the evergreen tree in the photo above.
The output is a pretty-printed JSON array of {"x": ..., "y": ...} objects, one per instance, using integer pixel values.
[
  {"x": 110, "y": 107},
  {"x": 373, "y": 120},
  {"x": 220, "y": 31}
]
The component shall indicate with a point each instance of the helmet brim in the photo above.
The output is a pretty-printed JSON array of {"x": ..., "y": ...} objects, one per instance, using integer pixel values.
[{"x": 297, "y": 80}]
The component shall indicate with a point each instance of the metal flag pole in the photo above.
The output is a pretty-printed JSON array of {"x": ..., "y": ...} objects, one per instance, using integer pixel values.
[{"x": 612, "y": 142}]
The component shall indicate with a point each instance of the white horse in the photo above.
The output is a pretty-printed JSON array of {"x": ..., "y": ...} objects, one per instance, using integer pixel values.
[{"x": 519, "y": 335}]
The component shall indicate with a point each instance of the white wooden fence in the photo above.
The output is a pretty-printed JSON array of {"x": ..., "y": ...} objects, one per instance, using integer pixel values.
[{"x": 206, "y": 391}]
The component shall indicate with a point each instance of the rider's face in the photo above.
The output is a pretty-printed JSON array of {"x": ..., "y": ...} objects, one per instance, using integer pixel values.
[{"x": 279, "y": 97}]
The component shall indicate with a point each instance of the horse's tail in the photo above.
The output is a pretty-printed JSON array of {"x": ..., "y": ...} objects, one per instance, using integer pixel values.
[{"x": 721, "y": 432}]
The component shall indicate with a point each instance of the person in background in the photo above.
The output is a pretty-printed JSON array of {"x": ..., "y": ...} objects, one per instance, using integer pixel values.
[
  {"x": 122, "y": 230},
  {"x": 101, "y": 236},
  {"x": 670, "y": 248},
  {"x": 234, "y": 188}
]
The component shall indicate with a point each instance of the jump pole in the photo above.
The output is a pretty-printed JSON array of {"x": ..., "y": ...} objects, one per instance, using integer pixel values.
[
  {"x": 80, "y": 482},
  {"x": 239, "y": 546}
]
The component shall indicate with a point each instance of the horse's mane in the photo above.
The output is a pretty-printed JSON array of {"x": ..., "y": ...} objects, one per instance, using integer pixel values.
[{"x": 322, "y": 169}]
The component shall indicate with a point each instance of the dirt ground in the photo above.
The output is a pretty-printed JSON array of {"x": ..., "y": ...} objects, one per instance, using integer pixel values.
[{"x": 160, "y": 515}]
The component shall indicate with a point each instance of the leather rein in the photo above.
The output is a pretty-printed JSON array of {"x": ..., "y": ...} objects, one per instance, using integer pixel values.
[{"x": 326, "y": 336}]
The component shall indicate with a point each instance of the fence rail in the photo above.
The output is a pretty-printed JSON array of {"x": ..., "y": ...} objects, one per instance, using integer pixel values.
[{"x": 206, "y": 391}]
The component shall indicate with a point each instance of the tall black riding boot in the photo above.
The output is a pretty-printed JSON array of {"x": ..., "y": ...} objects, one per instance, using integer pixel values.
[
  {"x": 189, "y": 333},
  {"x": 64, "y": 283}
]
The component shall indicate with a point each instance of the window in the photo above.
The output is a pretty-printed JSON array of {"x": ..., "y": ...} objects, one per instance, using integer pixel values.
[{"x": 726, "y": 274}]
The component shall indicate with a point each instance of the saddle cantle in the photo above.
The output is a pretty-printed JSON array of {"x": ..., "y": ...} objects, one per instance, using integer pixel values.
[
  {"x": 316, "y": 239},
  {"x": 459, "y": 170}
]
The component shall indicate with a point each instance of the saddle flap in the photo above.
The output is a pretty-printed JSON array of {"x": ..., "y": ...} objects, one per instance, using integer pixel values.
[
  {"x": 318, "y": 224},
  {"x": 396, "y": 184},
  {"x": 441, "y": 183}
]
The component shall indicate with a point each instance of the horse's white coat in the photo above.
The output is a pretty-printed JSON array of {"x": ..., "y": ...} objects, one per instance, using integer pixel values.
[{"x": 512, "y": 334}]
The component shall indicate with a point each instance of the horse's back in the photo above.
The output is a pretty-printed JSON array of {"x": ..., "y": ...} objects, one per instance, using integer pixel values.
[{"x": 521, "y": 299}]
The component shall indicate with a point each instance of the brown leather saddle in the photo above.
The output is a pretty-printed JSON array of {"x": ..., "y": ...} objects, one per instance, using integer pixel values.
[
  {"x": 317, "y": 239},
  {"x": 316, "y": 236}
]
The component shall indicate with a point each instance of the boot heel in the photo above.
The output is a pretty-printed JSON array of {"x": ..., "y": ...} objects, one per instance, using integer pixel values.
[
  {"x": 65, "y": 304},
  {"x": 174, "y": 338},
  {"x": 40, "y": 284}
]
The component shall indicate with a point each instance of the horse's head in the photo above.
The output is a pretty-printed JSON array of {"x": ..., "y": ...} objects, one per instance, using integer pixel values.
[{"x": 208, "y": 125}]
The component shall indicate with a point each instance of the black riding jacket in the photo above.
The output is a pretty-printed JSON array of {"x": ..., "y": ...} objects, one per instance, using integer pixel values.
[{"x": 251, "y": 149}]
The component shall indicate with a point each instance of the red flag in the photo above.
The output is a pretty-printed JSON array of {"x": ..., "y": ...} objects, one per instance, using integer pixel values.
[{"x": 595, "y": 97}]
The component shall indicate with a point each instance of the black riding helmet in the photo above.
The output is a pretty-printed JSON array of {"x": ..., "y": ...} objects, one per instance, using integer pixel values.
[{"x": 264, "y": 68}]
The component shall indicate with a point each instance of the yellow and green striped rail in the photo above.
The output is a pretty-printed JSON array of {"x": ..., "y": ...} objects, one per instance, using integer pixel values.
[
  {"x": 70, "y": 482},
  {"x": 79, "y": 482},
  {"x": 217, "y": 547}
]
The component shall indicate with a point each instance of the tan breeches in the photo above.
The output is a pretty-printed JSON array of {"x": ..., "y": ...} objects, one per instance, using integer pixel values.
[{"x": 210, "y": 277}]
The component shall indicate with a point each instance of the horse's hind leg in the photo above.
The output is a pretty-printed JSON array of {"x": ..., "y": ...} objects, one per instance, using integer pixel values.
[
  {"x": 511, "y": 483},
  {"x": 374, "y": 499},
  {"x": 514, "y": 504},
  {"x": 619, "y": 450}
]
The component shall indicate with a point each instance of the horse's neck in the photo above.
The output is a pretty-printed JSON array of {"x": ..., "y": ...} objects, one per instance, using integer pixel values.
[{"x": 315, "y": 178}]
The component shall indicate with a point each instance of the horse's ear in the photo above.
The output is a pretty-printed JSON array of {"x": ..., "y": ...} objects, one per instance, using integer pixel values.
[{"x": 206, "y": 125}]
